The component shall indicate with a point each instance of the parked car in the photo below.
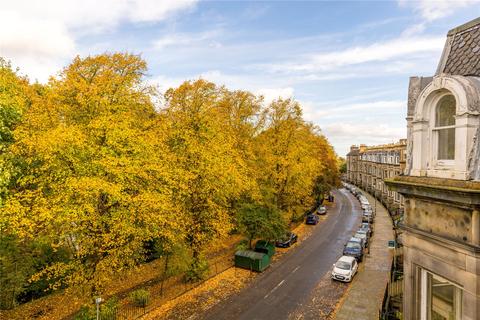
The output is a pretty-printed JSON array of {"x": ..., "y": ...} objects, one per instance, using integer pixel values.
[
  {"x": 367, "y": 217},
  {"x": 321, "y": 210},
  {"x": 365, "y": 204},
  {"x": 367, "y": 227},
  {"x": 368, "y": 210},
  {"x": 359, "y": 240},
  {"x": 365, "y": 231},
  {"x": 289, "y": 239},
  {"x": 353, "y": 249},
  {"x": 344, "y": 269},
  {"x": 312, "y": 219},
  {"x": 363, "y": 236}
]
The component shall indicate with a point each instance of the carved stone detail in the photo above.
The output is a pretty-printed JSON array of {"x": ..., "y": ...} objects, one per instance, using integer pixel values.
[{"x": 473, "y": 167}]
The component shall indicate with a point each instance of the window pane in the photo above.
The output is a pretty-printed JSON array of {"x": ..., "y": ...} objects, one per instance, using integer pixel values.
[
  {"x": 445, "y": 112},
  {"x": 446, "y": 144},
  {"x": 444, "y": 299}
]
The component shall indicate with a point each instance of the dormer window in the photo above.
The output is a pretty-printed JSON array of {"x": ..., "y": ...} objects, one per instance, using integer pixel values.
[{"x": 445, "y": 127}]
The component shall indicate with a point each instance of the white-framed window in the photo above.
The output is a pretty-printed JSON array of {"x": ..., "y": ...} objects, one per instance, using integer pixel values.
[
  {"x": 444, "y": 130},
  {"x": 440, "y": 299}
]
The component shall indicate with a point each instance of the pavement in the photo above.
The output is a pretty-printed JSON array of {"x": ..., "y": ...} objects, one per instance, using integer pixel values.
[
  {"x": 287, "y": 286},
  {"x": 365, "y": 296}
]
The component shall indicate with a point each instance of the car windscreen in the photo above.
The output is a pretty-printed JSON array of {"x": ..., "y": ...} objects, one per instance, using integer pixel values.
[
  {"x": 342, "y": 265},
  {"x": 353, "y": 245}
]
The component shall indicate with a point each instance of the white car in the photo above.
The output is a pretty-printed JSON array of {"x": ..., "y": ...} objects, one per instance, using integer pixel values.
[
  {"x": 365, "y": 205},
  {"x": 344, "y": 269}
]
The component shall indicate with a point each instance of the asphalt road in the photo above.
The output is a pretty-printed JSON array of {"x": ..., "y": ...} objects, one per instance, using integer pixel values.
[{"x": 287, "y": 284}]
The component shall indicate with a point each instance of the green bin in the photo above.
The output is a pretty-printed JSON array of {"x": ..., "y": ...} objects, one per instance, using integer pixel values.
[
  {"x": 255, "y": 261},
  {"x": 266, "y": 247}
]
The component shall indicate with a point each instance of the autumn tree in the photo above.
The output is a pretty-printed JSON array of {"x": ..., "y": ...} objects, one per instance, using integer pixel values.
[
  {"x": 293, "y": 157},
  {"x": 96, "y": 180},
  {"x": 213, "y": 170},
  {"x": 15, "y": 259}
]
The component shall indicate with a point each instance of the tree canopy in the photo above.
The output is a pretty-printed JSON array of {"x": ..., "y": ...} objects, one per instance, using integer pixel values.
[{"x": 93, "y": 168}]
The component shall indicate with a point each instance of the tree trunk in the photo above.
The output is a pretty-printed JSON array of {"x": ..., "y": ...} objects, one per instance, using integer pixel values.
[{"x": 164, "y": 275}]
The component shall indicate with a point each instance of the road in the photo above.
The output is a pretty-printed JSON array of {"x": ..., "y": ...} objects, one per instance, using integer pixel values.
[{"x": 288, "y": 283}]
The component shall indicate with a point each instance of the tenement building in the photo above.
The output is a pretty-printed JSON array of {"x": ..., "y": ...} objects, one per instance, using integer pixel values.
[
  {"x": 368, "y": 166},
  {"x": 441, "y": 185}
]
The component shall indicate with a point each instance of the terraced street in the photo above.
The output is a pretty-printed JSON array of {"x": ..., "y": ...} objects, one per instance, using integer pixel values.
[{"x": 285, "y": 291}]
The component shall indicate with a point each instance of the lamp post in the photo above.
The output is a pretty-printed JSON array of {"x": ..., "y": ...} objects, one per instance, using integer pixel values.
[{"x": 98, "y": 300}]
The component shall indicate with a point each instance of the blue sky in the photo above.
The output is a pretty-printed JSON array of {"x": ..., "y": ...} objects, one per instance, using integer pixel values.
[{"x": 347, "y": 62}]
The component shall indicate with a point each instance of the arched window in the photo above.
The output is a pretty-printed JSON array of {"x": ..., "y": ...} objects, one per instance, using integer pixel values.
[{"x": 445, "y": 127}]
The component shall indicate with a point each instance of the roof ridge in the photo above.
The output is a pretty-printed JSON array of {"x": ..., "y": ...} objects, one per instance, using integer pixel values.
[{"x": 464, "y": 27}]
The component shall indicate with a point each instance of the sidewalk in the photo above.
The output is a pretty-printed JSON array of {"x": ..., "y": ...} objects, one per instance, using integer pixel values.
[{"x": 365, "y": 296}]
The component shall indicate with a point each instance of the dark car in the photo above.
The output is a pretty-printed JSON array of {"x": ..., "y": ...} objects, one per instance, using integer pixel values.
[
  {"x": 289, "y": 239},
  {"x": 312, "y": 219},
  {"x": 321, "y": 210},
  {"x": 354, "y": 249}
]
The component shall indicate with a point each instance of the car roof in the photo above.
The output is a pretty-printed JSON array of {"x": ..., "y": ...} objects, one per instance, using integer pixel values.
[
  {"x": 354, "y": 239},
  {"x": 348, "y": 259}
]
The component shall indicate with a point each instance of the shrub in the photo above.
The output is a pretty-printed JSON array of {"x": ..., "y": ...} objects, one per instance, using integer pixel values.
[
  {"x": 140, "y": 298},
  {"x": 108, "y": 311},
  {"x": 243, "y": 245},
  {"x": 197, "y": 271}
]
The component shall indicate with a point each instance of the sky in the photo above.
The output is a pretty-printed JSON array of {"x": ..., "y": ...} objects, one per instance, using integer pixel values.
[{"x": 346, "y": 62}]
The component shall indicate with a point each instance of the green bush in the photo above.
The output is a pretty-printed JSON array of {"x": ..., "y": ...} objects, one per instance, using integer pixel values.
[
  {"x": 140, "y": 298},
  {"x": 197, "y": 271},
  {"x": 108, "y": 311},
  {"x": 243, "y": 245}
]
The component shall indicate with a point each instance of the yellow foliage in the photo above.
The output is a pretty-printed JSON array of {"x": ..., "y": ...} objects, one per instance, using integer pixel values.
[{"x": 101, "y": 170}]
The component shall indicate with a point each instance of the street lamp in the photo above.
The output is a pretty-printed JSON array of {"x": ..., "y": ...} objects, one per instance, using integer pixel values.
[{"x": 98, "y": 300}]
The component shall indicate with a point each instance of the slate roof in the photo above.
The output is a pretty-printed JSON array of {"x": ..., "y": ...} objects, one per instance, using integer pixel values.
[{"x": 463, "y": 48}]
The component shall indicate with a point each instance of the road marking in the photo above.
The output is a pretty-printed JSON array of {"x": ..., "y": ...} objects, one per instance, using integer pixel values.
[
  {"x": 296, "y": 269},
  {"x": 276, "y": 287}
]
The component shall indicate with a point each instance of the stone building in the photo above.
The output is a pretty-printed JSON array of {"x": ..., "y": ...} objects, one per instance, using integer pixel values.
[
  {"x": 441, "y": 185},
  {"x": 368, "y": 166}
]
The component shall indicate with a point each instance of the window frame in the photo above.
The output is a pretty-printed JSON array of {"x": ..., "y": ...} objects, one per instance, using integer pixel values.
[
  {"x": 426, "y": 294},
  {"x": 434, "y": 130}
]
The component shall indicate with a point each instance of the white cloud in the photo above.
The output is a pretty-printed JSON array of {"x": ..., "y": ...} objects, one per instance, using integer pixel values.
[
  {"x": 318, "y": 113},
  {"x": 233, "y": 82},
  {"x": 380, "y": 132},
  {"x": 187, "y": 39},
  {"x": 400, "y": 48},
  {"x": 39, "y": 35},
  {"x": 431, "y": 10},
  {"x": 343, "y": 134},
  {"x": 163, "y": 83},
  {"x": 270, "y": 94}
]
